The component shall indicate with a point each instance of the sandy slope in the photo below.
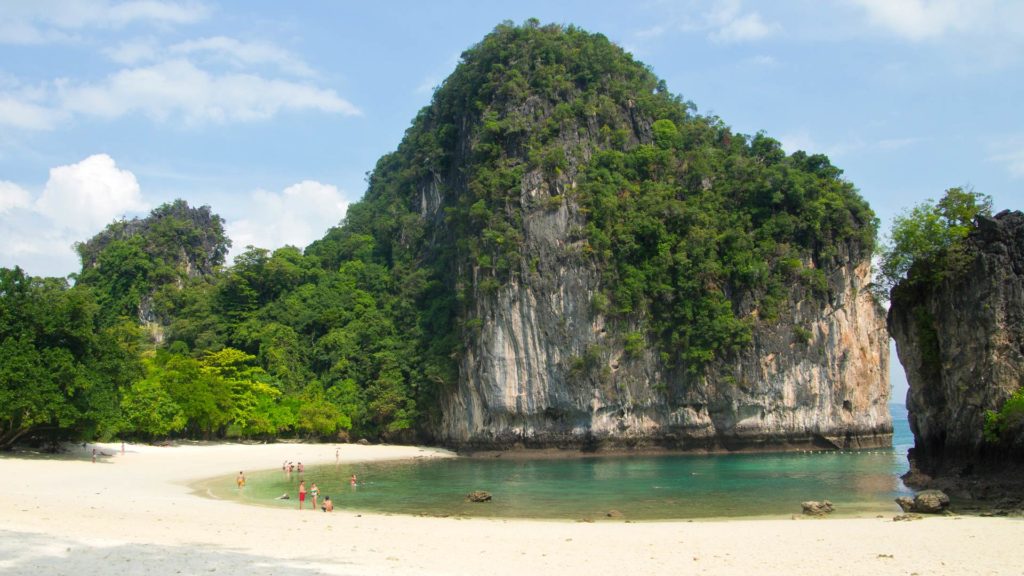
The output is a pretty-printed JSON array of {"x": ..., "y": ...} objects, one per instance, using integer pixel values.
[{"x": 134, "y": 514}]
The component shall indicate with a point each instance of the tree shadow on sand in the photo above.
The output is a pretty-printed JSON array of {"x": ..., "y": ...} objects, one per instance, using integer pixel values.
[{"x": 29, "y": 553}]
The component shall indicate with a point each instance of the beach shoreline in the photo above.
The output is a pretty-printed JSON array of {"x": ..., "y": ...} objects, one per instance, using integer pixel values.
[{"x": 135, "y": 513}]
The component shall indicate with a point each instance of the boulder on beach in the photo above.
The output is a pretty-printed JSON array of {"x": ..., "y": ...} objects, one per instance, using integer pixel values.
[
  {"x": 925, "y": 502},
  {"x": 814, "y": 508}
]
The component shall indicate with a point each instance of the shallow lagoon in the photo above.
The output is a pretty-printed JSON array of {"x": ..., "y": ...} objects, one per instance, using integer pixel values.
[{"x": 637, "y": 487}]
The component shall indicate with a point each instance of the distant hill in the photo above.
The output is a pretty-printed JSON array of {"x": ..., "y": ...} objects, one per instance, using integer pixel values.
[{"x": 130, "y": 261}]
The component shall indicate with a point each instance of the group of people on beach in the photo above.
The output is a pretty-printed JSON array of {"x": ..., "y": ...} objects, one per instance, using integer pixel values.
[
  {"x": 314, "y": 493},
  {"x": 288, "y": 467}
]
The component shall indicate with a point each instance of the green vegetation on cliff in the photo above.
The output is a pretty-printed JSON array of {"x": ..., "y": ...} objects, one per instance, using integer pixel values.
[
  {"x": 926, "y": 242},
  {"x": 695, "y": 233},
  {"x": 133, "y": 264},
  {"x": 684, "y": 219}
]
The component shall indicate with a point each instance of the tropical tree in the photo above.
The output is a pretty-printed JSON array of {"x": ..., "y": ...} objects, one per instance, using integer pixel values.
[
  {"x": 60, "y": 374},
  {"x": 928, "y": 237}
]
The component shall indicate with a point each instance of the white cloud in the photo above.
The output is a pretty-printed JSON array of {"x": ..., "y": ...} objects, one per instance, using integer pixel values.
[
  {"x": 744, "y": 29},
  {"x": 919, "y": 20},
  {"x": 19, "y": 111},
  {"x": 86, "y": 196},
  {"x": 244, "y": 54},
  {"x": 13, "y": 196},
  {"x": 134, "y": 52},
  {"x": 298, "y": 215},
  {"x": 178, "y": 89},
  {"x": 29, "y": 240},
  {"x": 728, "y": 23},
  {"x": 77, "y": 201},
  {"x": 42, "y": 21}
]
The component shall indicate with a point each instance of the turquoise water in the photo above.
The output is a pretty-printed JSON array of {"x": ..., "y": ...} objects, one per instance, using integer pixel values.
[{"x": 637, "y": 487}]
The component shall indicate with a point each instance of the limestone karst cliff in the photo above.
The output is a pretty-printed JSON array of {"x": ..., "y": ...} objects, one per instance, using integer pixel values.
[
  {"x": 961, "y": 342},
  {"x": 131, "y": 260},
  {"x": 612, "y": 269}
]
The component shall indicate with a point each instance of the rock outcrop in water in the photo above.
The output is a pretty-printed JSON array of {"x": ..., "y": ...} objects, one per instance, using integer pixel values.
[
  {"x": 961, "y": 342},
  {"x": 626, "y": 273}
]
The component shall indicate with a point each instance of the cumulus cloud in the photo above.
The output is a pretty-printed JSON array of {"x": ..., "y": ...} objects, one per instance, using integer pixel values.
[
  {"x": 42, "y": 21},
  {"x": 13, "y": 196},
  {"x": 178, "y": 89},
  {"x": 296, "y": 216},
  {"x": 86, "y": 196},
  {"x": 29, "y": 240},
  {"x": 78, "y": 200}
]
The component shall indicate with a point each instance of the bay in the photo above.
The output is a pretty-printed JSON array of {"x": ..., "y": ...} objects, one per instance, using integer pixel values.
[{"x": 662, "y": 487}]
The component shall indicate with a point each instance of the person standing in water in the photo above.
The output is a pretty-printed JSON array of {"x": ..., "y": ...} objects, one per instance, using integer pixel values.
[
  {"x": 302, "y": 493},
  {"x": 240, "y": 480},
  {"x": 352, "y": 481},
  {"x": 315, "y": 493}
]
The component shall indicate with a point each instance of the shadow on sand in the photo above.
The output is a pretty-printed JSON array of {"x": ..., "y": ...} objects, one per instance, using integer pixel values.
[{"x": 29, "y": 553}]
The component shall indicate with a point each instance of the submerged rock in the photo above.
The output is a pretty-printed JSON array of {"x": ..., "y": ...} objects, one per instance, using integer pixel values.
[{"x": 478, "y": 496}]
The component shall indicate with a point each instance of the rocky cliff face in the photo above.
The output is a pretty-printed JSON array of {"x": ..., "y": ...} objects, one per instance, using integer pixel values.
[
  {"x": 626, "y": 273},
  {"x": 961, "y": 342},
  {"x": 544, "y": 370}
]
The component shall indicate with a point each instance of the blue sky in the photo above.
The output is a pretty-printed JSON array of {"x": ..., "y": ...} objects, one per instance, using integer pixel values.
[{"x": 272, "y": 112}]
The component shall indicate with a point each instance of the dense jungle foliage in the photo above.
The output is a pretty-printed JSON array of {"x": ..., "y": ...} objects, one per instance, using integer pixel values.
[{"x": 697, "y": 233}]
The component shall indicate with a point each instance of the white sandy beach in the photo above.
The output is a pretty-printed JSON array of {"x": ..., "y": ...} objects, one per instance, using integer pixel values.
[{"x": 135, "y": 514}]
